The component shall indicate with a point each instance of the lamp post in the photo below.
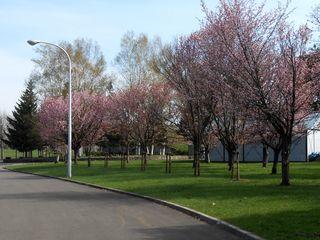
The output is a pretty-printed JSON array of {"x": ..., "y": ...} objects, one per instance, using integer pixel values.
[{"x": 69, "y": 164}]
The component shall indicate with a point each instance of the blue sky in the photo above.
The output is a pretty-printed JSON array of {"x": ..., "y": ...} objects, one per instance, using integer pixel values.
[{"x": 104, "y": 21}]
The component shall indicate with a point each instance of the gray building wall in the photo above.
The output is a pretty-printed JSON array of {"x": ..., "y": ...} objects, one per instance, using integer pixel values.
[{"x": 253, "y": 152}]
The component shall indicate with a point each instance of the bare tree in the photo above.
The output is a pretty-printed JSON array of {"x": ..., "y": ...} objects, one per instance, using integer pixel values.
[
  {"x": 315, "y": 15},
  {"x": 180, "y": 65},
  {"x": 266, "y": 55},
  {"x": 135, "y": 58},
  {"x": 88, "y": 69}
]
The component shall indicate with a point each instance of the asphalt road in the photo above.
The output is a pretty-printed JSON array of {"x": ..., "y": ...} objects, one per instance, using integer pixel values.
[{"x": 33, "y": 207}]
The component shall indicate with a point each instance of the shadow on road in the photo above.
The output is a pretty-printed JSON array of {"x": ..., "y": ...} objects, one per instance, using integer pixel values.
[
  {"x": 106, "y": 197},
  {"x": 196, "y": 232}
]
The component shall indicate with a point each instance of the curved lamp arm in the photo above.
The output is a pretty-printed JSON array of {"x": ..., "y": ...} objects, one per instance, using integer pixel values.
[{"x": 32, "y": 43}]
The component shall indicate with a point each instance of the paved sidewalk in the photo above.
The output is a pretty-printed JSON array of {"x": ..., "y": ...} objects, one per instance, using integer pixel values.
[{"x": 33, "y": 207}]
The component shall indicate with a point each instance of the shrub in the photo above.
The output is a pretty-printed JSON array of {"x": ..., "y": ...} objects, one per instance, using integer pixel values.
[{"x": 180, "y": 149}]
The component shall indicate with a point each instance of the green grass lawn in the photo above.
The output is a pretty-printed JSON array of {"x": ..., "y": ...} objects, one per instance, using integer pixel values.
[
  {"x": 11, "y": 153},
  {"x": 257, "y": 203}
]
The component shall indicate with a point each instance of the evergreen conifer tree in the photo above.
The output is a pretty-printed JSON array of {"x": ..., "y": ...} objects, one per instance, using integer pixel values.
[{"x": 22, "y": 132}]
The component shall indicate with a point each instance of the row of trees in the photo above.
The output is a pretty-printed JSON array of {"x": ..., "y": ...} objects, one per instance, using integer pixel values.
[
  {"x": 246, "y": 75},
  {"x": 94, "y": 114},
  {"x": 138, "y": 113},
  {"x": 48, "y": 81}
]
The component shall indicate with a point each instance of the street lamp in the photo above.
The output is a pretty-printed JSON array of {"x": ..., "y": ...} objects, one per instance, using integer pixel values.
[{"x": 32, "y": 43}]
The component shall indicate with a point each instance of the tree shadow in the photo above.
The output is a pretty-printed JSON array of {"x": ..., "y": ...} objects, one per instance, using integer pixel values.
[
  {"x": 155, "y": 171},
  {"x": 105, "y": 197},
  {"x": 190, "y": 232},
  {"x": 293, "y": 224},
  {"x": 229, "y": 191}
]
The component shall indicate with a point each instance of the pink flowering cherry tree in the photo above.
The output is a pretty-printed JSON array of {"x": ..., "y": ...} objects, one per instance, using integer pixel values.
[
  {"x": 89, "y": 120},
  {"x": 137, "y": 114},
  {"x": 266, "y": 59}
]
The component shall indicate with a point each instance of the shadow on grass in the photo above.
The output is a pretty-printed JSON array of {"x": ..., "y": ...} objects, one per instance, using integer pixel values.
[
  {"x": 258, "y": 188},
  {"x": 291, "y": 224},
  {"x": 231, "y": 191},
  {"x": 156, "y": 170}
]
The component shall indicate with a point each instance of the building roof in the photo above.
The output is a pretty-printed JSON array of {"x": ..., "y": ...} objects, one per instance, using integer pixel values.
[{"x": 313, "y": 121}]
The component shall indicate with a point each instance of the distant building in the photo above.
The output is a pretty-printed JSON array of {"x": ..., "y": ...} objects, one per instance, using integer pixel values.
[{"x": 301, "y": 148}]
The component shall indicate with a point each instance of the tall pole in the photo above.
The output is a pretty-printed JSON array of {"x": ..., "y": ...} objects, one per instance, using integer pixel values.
[
  {"x": 1, "y": 135},
  {"x": 69, "y": 162},
  {"x": 69, "y": 174}
]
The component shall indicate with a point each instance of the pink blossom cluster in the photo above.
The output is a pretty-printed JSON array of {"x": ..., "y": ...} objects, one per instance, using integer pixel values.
[{"x": 88, "y": 120}]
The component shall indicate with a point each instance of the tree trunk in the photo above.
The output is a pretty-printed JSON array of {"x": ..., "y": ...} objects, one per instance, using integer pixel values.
[
  {"x": 76, "y": 153},
  {"x": 207, "y": 154},
  {"x": 145, "y": 162},
  {"x": 285, "y": 153},
  {"x": 89, "y": 161},
  {"x": 197, "y": 168},
  {"x": 151, "y": 149},
  {"x": 275, "y": 161},
  {"x": 1, "y": 150},
  {"x": 127, "y": 153},
  {"x": 238, "y": 167},
  {"x": 168, "y": 163},
  {"x": 265, "y": 155},
  {"x": 106, "y": 160},
  {"x": 143, "y": 151},
  {"x": 138, "y": 149},
  {"x": 141, "y": 163},
  {"x": 123, "y": 161},
  {"x": 232, "y": 155},
  {"x": 196, "y": 160},
  {"x": 196, "y": 150}
]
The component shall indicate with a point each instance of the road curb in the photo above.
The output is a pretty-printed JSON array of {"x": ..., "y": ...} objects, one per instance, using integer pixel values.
[{"x": 195, "y": 214}]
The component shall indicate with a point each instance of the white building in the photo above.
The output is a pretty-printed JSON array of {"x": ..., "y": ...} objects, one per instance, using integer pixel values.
[{"x": 302, "y": 146}]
